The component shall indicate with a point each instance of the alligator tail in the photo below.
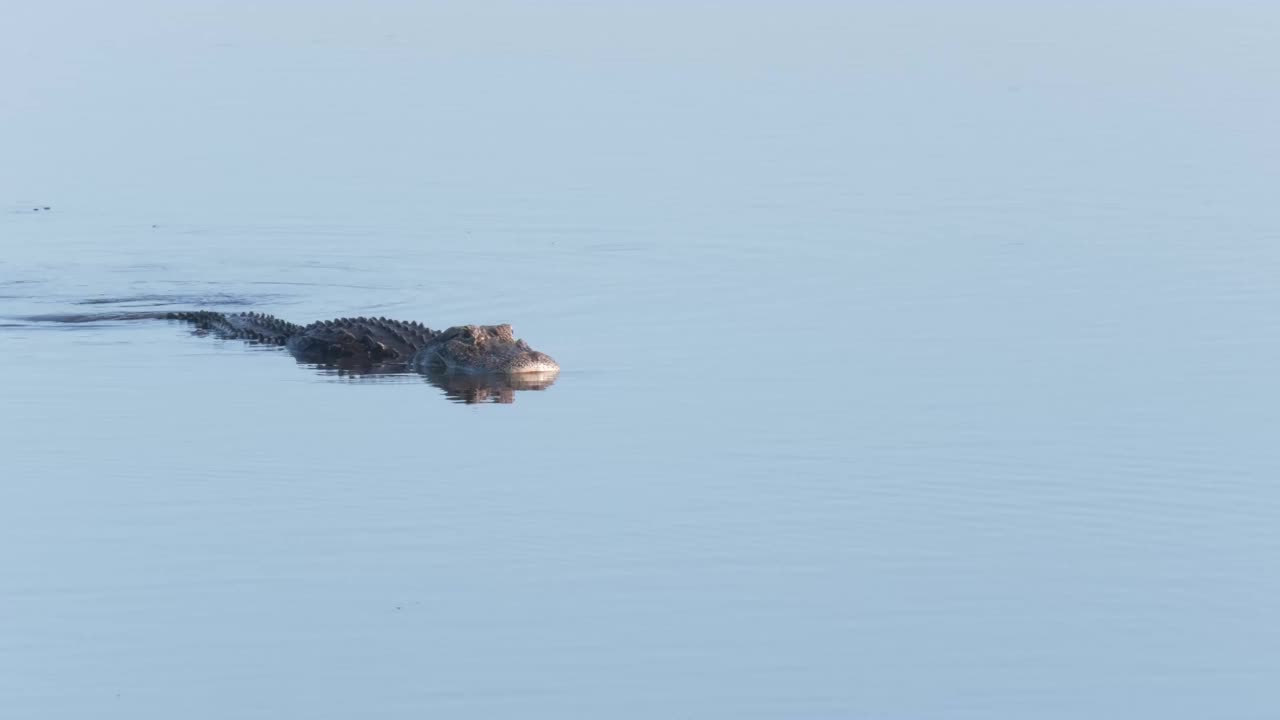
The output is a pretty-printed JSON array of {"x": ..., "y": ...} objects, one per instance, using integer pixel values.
[{"x": 250, "y": 326}]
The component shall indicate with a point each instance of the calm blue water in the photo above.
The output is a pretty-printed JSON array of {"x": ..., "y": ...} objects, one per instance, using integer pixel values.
[{"x": 919, "y": 362}]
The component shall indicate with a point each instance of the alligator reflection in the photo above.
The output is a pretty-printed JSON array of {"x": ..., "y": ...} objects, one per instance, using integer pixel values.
[
  {"x": 466, "y": 388},
  {"x": 473, "y": 389}
]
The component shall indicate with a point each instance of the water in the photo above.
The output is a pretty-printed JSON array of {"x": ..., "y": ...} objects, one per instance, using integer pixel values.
[{"x": 918, "y": 361}]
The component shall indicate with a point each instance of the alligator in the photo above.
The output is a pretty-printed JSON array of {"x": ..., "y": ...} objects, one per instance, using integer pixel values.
[{"x": 369, "y": 345}]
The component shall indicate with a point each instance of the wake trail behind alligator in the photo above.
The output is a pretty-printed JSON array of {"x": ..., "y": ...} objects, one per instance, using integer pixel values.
[{"x": 97, "y": 317}]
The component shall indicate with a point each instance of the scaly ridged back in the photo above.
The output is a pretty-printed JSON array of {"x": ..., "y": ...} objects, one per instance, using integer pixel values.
[
  {"x": 380, "y": 339},
  {"x": 251, "y": 326}
]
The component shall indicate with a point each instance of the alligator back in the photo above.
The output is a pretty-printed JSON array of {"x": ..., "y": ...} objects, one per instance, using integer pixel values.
[{"x": 374, "y": 340}]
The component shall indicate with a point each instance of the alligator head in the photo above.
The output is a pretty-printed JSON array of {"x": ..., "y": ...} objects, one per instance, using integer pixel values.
[{"x": 483, "y": 349}]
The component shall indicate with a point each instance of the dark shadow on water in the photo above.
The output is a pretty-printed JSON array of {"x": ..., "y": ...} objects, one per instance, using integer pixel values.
[
  {"x": 458, "y": 387},
  {"x": 472, "y": 389}
]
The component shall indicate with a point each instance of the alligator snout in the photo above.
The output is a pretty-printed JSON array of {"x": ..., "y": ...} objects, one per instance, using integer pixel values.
[{"x": 534, "y": 362}]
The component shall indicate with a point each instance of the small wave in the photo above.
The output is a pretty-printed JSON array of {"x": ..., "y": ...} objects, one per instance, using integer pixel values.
[{"x": 156, "y": 300}]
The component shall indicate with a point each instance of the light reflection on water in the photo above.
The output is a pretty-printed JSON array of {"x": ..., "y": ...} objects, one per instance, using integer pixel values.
[{"x": 459, "y": 387}]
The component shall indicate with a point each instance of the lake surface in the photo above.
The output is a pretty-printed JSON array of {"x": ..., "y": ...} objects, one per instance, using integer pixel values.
[{"x": 918, "y": 362}]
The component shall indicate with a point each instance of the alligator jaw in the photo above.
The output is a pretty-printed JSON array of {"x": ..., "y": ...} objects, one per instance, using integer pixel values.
[
  {"x": 532, "y": 365},
  {"x": 536, "y": 363}
]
